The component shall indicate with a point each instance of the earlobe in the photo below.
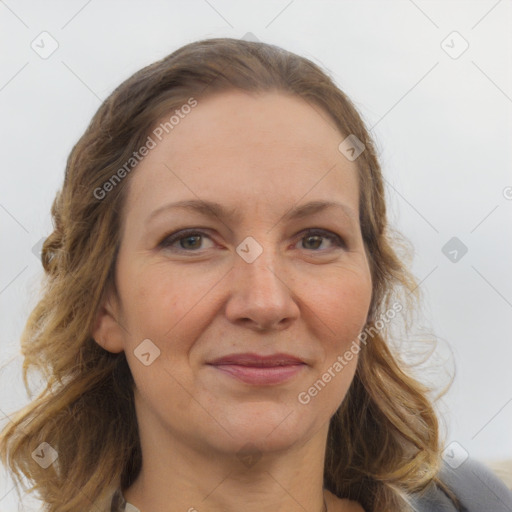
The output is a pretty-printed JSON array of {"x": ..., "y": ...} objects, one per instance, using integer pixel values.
[{"x": 107, "y": 332}]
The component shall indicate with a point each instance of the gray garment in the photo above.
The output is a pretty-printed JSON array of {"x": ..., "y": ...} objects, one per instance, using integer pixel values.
[{"x": 475, "y": 485}]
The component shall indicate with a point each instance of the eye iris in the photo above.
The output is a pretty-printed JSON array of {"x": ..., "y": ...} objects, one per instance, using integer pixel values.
[
  {"x": 188, "y": 238},
  {"x": 317, "y": 238}
]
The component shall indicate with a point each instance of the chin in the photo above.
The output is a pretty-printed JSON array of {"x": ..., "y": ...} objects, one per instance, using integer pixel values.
[{"x": 264, "y": 427}]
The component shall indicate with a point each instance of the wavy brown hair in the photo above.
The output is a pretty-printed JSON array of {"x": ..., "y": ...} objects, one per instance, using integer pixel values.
[{"x": 384, "y": 441}]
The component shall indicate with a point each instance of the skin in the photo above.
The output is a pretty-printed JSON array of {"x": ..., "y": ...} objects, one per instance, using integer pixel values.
[{"x": 197, "y": 299}]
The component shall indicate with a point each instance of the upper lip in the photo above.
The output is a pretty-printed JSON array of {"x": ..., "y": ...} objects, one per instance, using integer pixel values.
[{"x": 251, "y": 359}]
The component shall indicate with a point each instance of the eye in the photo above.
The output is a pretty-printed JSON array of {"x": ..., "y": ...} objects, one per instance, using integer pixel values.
[
  {"x": 190, "y": 240},
  {"x": 315, "y": 238}
]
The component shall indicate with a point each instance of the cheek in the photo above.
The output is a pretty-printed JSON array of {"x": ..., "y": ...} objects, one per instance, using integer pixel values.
[
  {"x": 158, "y": 298},
  {"x": 341, "y": 302},
  {"x": 162, "y": 305},
  {"x": 171, "y": 307},
  {"x": 341, "y": 306}
]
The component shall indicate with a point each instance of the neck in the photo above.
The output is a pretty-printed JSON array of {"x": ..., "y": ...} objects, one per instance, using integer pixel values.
[{"x": 176, "y": 476}]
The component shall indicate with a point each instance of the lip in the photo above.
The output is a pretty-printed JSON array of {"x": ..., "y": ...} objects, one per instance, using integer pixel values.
[
  {"x": 251, "y": 359},
  {"x": 259, "y": 370}
]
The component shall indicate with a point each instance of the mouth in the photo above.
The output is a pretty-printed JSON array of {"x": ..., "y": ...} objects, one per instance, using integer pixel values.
[{"x": 259, "y": 370}]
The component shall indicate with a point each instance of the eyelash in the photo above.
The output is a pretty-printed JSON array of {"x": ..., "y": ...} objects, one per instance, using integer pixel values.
[{"x": 168, "y": 240}]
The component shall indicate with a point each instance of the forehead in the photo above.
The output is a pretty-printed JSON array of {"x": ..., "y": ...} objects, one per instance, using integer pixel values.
[
  {"x": 262, "y": 125},
  {"x": 255, "y": 150}
]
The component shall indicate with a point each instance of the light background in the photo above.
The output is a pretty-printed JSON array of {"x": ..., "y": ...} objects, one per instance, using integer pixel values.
[{"x": 443, "y": 127}]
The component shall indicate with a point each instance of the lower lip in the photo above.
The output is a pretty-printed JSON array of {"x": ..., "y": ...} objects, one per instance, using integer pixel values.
[{"x": 259, "y": 375}]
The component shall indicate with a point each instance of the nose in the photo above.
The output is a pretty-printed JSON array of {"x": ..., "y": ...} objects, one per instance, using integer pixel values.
[{"x": 262, "y": 296}]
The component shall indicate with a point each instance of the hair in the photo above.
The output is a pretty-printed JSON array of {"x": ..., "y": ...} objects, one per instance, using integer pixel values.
[{"x": 384, "y": 441}]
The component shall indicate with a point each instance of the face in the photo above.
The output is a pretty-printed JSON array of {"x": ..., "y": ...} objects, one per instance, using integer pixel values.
[{"x": 266, "y": 275}]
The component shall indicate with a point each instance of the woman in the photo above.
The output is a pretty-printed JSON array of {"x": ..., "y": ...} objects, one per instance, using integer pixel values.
[{"x": 221, "y": 277}]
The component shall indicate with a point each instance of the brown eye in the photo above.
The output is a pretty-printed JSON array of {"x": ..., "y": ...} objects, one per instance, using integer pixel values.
[
  {"x": 315, "y": 238},
  {"x": 188, "y": 241}
]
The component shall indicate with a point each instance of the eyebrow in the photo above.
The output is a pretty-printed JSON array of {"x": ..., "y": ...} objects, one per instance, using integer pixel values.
[{"x": 214, "y": 209}]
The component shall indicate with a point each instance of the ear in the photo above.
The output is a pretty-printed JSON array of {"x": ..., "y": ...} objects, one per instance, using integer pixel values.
[{"x": 107, "y": 331}]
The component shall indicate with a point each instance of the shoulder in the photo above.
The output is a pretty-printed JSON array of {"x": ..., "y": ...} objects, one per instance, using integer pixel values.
[{"x": 474, "y": 484}]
